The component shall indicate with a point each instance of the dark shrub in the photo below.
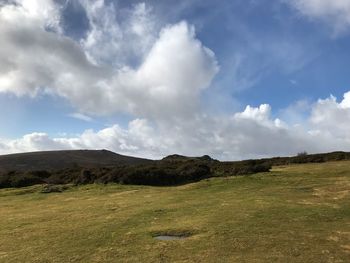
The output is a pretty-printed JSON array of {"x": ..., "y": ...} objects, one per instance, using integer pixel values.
[
  {"x": 85, "y": 177},
  {"x": 241, "y": 168},
  {"x": 338, "y": 156},
  {"x": 5, "y": 180},
  {"x": 25, "y": 179},
  {"x": 158, "y": 174},
  {"x": 261, "y": 168},
  {"x": 41, "y": 174},
  {"x": 111, "y": 175},
  {"x": 64, "y": 176},
  {"x": 194, "y": 172}
]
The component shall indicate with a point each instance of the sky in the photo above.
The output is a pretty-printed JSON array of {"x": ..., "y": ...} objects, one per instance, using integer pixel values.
[{"x": 235, "y": 79}]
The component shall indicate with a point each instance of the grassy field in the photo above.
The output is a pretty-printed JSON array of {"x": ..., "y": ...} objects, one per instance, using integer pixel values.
[{"x": 298, "y": 213}]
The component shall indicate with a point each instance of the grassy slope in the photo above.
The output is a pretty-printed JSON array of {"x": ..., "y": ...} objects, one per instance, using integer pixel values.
[{"x": 297, "y": 213}]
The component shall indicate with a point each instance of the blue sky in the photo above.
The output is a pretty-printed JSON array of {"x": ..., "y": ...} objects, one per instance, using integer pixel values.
[{"x": 234, "y": 79}]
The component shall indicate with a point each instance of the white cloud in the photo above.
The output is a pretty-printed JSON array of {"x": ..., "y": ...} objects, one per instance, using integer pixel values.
[
  {"x": 333, "y": 118},
  {"x": 138, "y": 139},
  {"x": 252, "y": 133},
  {"x": 34, "y": 59},
  {"x": 80, "y": 116},
  {"x": 43, "y": 13},
  {"x": 166, "y": 83},
  {"x": 30, "y": 142},
  {"x": 115, "y": 38},
  {"x": 336, "y": 12},
  {"x": 260, "y": 114},
  {"x": 172, "y": 76}
]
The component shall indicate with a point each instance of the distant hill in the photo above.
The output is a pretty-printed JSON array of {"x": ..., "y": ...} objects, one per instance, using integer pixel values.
[
  {"x": 58, "y": 160},
  {"x": 179, "y": 158}
]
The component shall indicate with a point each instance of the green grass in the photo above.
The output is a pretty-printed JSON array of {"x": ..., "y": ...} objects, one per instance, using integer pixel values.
[{"x": 298, "y": 213}]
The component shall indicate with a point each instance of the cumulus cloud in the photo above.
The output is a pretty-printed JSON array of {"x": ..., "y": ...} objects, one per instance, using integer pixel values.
[
  {"x": 252, "y": 133},
  {"x": 29, "y": 142},
  {"x": 57, "y": 59},
  {"x": 336, "y": 12},
  {"x": 261, "y": 114},
  {"x": 166, "y": 82},
  {"x": 332, "y": 118},
  {"x": 138, "y": 139},
  {"x": 173, "y": 74}
]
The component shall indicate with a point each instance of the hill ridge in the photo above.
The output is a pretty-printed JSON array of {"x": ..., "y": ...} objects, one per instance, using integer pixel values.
[{"x": 61, "y": 159}]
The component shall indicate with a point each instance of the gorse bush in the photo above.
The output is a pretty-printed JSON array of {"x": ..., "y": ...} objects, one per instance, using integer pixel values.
[
  {"x": 5, "y": 180},
  {"x": 241, "y": 168},
  {"x": 176, "y": 170},
  {"x": 172, "y": 170},
  {"x": 158, "y": 174},
  {"x": 25, "y": 179}
]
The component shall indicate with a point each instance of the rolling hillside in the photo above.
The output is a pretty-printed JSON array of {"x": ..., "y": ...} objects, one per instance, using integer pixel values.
[{"x": 58, "y": 160}]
